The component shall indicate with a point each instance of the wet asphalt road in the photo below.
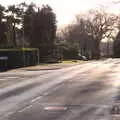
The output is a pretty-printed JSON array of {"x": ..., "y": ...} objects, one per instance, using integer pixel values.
[{"x": 81, "y": 92}]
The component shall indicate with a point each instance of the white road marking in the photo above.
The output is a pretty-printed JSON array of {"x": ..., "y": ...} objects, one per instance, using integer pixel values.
[
  {"x": 53, "y": 90},
  {"x": 25, "y": 108},
  {"x": 35, "y": 99}
]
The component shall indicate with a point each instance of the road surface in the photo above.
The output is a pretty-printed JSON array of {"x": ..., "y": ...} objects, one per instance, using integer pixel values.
[{"x": 88, "y": 91}]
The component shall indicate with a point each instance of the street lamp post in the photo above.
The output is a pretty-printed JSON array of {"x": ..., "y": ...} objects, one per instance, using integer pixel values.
[{"x": 23, "y": 44}]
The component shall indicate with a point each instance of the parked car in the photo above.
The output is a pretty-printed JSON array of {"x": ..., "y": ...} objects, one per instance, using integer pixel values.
[{"x": 82, "y": 57}]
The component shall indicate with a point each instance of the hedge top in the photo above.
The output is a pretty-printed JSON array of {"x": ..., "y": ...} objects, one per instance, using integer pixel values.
[{"x": 20, "y": 49}]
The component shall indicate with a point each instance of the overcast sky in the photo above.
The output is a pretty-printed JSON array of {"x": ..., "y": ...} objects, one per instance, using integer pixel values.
[{"x": 67, "y": 9}]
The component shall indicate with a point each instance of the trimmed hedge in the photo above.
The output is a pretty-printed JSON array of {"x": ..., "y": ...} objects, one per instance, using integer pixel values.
[{"x": 19, "y": 57}]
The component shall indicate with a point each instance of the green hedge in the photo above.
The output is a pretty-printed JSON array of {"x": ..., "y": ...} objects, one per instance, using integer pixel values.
[{"x": 19, "y": 57}]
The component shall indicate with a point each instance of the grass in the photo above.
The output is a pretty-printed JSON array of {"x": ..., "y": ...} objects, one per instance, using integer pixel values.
[
  {"x": 68, "y": 61},
  {"x": 60, "y": 62},
  {"x": 71, "y": 61}
]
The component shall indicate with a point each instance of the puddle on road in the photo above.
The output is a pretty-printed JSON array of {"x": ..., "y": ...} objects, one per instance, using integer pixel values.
[
  {"x": 42, "y": 69},
  {"x": 55, "y": 108}
]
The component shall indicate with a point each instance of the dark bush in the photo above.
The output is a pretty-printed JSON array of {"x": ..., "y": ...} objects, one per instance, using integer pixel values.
[
  {"x": 70, "y": 53},
  {"x": 18, "y": 57}
]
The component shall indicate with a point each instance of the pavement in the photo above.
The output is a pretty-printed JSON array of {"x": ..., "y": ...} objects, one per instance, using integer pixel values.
[{"x": 88, "y": 91}]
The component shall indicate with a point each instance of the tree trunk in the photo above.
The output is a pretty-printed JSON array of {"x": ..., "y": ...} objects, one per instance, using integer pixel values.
[
  {"x": 14, "y": 36},
  {"x": 96, "y": 50}
]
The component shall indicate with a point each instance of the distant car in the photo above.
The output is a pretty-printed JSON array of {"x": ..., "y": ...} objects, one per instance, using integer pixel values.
[
  {"x": 81, "y": 57},
  {"x": 84, "y": 58}
]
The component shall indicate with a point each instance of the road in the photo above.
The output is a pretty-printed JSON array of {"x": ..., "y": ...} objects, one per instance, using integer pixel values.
[{"x": 86, "y": 91}]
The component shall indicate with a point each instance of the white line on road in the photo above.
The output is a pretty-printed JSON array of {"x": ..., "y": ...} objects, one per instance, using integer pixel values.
[
  {"x": 35, "y": 99},
  {"x": 25, "y": 108}
]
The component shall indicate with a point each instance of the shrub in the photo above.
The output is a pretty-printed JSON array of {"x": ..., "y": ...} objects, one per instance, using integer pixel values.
[{"x": 19, "y": 57}]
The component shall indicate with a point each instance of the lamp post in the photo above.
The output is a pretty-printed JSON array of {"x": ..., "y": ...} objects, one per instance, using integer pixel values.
[
  {"x": 38, "y": 55},
  {"x": 23, "y": 43}
]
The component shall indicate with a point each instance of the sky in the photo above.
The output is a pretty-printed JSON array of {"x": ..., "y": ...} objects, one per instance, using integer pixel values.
[{"x": 67, "y": 9}]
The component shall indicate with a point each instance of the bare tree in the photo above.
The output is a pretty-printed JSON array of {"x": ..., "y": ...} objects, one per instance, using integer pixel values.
[
  {"x": 98, "y": 24},
  {"x": 89, "y": 29}
]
